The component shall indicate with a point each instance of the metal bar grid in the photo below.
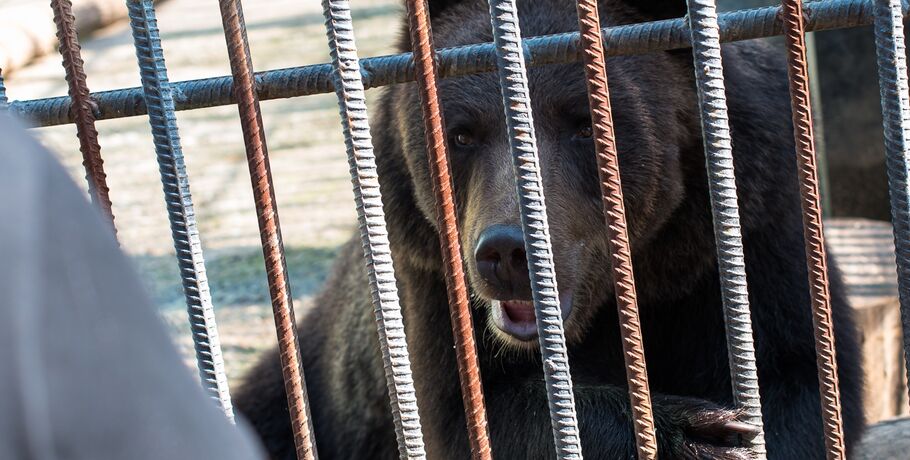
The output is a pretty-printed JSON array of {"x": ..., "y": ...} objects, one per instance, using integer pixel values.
[
  {"x": 712, "y": 100},
  {"x": 159, "y": 99},
  {"x": 812, "y": 228},
  {"x": 244, "y": 90},
  {"x": 892, "y": 73},
  {"x": 706, "y": 31},
  {"x": 513, "y": 80},
  {"x": 387, "y": 70},
  {"x": 447, "y": 226},
  {"x": 82, "y": 107},
  {"x": 373, "y": 232},
  {"x": 615, "y": 216}
]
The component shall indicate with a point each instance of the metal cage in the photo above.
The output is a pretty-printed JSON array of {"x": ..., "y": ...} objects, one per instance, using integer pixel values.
[{"x": 348, "y": 76}]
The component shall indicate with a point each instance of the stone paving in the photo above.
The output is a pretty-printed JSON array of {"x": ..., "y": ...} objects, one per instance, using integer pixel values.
[{"x": 304, "y": 137}]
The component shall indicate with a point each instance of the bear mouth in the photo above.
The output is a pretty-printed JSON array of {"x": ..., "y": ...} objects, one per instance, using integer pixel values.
[{"x": 518, "y": 319}]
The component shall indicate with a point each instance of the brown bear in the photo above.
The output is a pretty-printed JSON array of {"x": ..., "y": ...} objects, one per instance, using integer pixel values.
[{"x": 665, "y": 186}]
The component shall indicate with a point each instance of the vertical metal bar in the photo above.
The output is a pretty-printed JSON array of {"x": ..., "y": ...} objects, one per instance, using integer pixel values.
[
  {"x": 818, "y": 127},
  {"x": 447, "y": 225},
  {"x": 794, "y": 30},
  {"x": 615, "y": 216},
  {"x": 82, "y": 105},
  {"x": 159, "y": 99},
  {"x": 373, "y": 232},
  {"x": 4, "y": 102},
  {"x": 892, "y": 74},
  {"x": 513, "y": 79},
  {"x": 709, "y": 77},
  {"x": 244, "y": 89}
]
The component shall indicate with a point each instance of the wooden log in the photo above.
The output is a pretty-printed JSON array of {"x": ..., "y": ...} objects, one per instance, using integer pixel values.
[
  {"x": 864, "y": 251},
  {"x": 27, "y": 30}
]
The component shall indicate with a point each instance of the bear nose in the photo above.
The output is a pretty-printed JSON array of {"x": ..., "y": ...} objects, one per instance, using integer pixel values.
[{"x": 502, "y": 262}]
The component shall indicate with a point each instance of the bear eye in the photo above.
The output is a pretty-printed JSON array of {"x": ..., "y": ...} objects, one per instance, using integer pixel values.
[
  {"x": 584, "y": 132},
  {"x": 463, "y": 139}
]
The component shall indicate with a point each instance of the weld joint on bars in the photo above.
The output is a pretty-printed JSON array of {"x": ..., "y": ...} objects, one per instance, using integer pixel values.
[
  {"x": 453, "y": 62},
  {"x": 179, "y": 202},
  {"x": 725, "y": 209}
]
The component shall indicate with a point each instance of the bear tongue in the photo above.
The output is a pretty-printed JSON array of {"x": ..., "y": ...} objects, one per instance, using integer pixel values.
[{"x": 519, "y": 311}]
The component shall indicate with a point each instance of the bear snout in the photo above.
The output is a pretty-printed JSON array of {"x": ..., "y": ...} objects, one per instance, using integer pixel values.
[
  {"x": 502, "y": 266},
  {"x": 502, "y": 263}
]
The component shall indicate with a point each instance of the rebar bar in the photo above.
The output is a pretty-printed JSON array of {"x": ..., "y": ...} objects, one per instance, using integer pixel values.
[
  {"x": 244, "y": 90},
  {"x": 82, "y": 106},
  {"x": 373, "y": 231},
  {"x": 615, "y": 216},
  {"x": 454, "y": 62},
  {"x": 892, "y": 74},
  {"x": 792, "y": 16},
  {"x": 447, "y": 226},
  {"x": 712, "y": 100},
  {"x": 179, "y": 202},
  {"x": 513, "y": 81}
]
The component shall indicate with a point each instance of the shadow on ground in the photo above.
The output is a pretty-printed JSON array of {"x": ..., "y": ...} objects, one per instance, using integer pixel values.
[{"x": 236, "y": 275}]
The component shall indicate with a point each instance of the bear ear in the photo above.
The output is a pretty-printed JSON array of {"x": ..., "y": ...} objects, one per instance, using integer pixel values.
[
  {"x": 659, "y": 9},
  {"x": 438, "y": 6}
]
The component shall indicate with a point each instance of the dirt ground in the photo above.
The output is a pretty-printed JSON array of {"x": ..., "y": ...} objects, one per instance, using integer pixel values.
[{"x": 304, "y": 138}]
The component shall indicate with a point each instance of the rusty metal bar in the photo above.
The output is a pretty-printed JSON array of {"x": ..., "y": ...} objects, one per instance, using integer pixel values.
[
  {"x": 82, "y": 107},
  {"x": 892, "y": 74},
  {"x": 453, "y": 62},
  {"x": 373, "y": 232},
  {"x": 447, "y": 226},
  {"x": 709, "y": 77},
  {"x": 615, "y": 216},
  {"x": 513, "y": 81},
  {"x": 159, "y": 99},
  {"x": 792, "y": 16},
  {"x": 244, "y": 90}
]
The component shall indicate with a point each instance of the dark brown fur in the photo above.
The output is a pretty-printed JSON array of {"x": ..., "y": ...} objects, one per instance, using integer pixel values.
[{"x": 665, "y": 186}]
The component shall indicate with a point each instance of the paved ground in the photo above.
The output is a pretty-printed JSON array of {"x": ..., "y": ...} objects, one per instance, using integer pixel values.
[{"x": 308, "y": 159}]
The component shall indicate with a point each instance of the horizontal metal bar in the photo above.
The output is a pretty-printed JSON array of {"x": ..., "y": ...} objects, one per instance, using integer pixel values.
[{"x": 386, "y": 70}]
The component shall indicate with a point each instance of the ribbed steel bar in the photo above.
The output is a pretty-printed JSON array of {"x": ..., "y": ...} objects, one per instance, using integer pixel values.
[
  {"x": 615, "y": 216},
  {"x": 447, "y": 226},
  {"x": 453, "y": 62},
  {"x": 513, "y": 80},
  {"x": 159, "y": 99},
  {"x": 82, "y": 108},
  {"x": 244, "y": 88},
  {"x": 373, "y": 232},
  {"x": 892, "y": 74},
  {"x": 792, "y": 15},
  {"x": 712, "y": 100}
]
